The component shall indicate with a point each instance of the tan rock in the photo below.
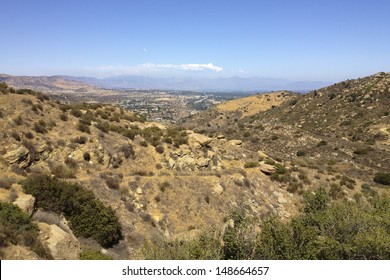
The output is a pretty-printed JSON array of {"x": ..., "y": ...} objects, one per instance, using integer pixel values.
[
  {"x": 202, "y": 162},
  {"x": 198, "y": 140},
  {"x": 25, "y": 202},
  {"x": 262, "y": 154},
  {"x": 17, "y": 154},
  {"x": 220, "y": 136},
  {"x": 267, "y": 168},
  {"x": 235, "y": 142},
  {"x": 218, "y": 189},
  {"x": 62, "y": 245},
  {"x": 280, "y": 197}
]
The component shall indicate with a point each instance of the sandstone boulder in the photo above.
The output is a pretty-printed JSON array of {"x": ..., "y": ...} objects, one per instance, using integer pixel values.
[
  {"x": 198, "y": 140},
  {"x": 218, "y": 189},
  {"x": 62, "y": 245},
  {"x": 267, "y": 168},
  {"x": 235, "y": 142}
]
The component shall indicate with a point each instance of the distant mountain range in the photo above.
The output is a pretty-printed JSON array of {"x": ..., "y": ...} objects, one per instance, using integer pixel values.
[
  {"x": 205, "y": 84},
  {"x": 88, "y": 84}
]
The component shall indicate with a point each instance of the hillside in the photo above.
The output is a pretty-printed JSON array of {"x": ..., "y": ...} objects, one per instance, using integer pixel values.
[
  {"x": 95, "y": 181},
  {"x": 339, "y": 133},
  {"x": 158, "y": 180},
  {"x": 49, "y": 84},
  {"x": 252, "y": 105}
]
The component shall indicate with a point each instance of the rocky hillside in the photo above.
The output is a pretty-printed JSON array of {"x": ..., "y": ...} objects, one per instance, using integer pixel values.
[
  {"x": 337, "y": 136},
  {"x": 157, "y": 180},
  {"x": 95, "y": 181}
]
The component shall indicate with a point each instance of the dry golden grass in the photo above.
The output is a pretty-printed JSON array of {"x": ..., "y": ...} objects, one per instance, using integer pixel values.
[{"x": 258, "y": 103}]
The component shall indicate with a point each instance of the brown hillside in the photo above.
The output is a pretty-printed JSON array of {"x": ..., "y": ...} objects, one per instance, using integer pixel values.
[{"x": 159, "y": 181}]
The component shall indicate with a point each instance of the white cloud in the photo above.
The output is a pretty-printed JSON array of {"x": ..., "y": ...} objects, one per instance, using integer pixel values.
[
  {"x": 148, "y": 68},
  {"x": 201, "y": 67}
]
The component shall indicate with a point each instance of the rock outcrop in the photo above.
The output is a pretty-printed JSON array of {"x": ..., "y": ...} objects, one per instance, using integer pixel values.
[
  {"x": 62, "y": 245},
  {"x": 198, "y": 140},
  {"x": 17, "y": 154},
  {"x": 25, "y": 202},
  {"x": 267, "y": 168}
]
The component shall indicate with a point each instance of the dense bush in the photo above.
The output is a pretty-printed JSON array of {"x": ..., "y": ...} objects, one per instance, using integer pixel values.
[
  {"x": 40, "y": 127},
  {"x": 382, "y": 178},
  {"x": 322, "y": 143},
  {"x": 77, "y": 113},
  {"x": 323, "y": 230},
  {"x": 16, "y": 228},
  {"x": 88, "y": 217},
  {"x": 128, "y": 151},
  {"x": 83, "y": 127},
  {"x": 341, "y": 230}
]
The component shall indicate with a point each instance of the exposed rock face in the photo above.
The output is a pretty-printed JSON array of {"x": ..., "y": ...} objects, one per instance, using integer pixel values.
[
  {"x": 25, "y": 202},
  {"x": 17, "y": 154},
  {"x": 267, "y": 168},
  {"x": 202, "y": 162},
  {"x": 198, "y": 140},
  {"x": 62, "y": 245}
]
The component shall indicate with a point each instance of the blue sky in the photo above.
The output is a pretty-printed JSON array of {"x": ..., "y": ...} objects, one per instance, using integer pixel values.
[{"x": 327, "y": 40}]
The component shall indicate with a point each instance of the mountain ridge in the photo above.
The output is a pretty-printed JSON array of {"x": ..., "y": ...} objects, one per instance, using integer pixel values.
[{"x": 235, "y": 83}]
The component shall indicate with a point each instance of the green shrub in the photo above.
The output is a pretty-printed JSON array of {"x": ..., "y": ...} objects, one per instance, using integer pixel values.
[
  {"x": 382, "y": 178},
  {"x": 339, "y": 230},
  {"x": 301, "y": 153},
  {"x": 104, "y": 126},
  {"x": 361, "y": 151},
  {"x": 61, "y": 170},
  {"x": 93, "y": 255},
  {"x": 251, "y": 164},
  {"x": 29, "y": 135},
  {"x": 128, "y": 151},
  {"x": 63, "y": 117},
  {"x": 83, "y": 127},
  {"x": 87, "y": 216},
  {"x": 159, "y": 149},
  {"x": 80, "y": 140},
  {"x": 40, "y": 127},
  {"x": 322, "y": 143},
  {"x": 77, "y": 113},
  {"x": 280, "y": 169},
  {"x": 16, "y": 228}
]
